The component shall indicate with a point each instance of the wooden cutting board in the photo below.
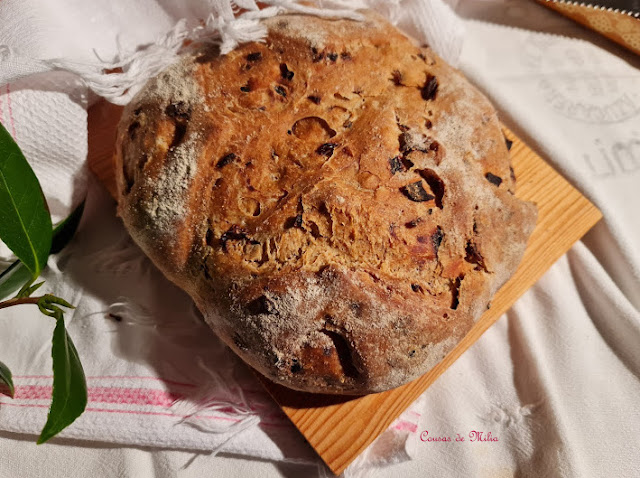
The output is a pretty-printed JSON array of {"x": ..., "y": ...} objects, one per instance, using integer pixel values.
[{"x": 339, "y": 428}]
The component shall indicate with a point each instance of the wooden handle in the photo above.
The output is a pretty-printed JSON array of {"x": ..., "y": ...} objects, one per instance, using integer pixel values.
[{"x": 622, "y": 28}]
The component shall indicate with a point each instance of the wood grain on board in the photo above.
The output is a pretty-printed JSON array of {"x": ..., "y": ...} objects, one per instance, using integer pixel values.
[{"x": 340, "y": 428}]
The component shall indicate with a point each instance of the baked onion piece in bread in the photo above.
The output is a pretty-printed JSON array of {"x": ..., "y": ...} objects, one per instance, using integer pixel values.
[{"x": 337, "y": 201}]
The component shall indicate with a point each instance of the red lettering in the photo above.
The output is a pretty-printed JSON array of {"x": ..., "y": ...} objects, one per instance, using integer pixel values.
[{"x": 424, "y": 436}]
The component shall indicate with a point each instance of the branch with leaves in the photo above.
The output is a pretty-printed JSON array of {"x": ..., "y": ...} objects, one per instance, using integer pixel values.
[{"x": 26, "y": 228}]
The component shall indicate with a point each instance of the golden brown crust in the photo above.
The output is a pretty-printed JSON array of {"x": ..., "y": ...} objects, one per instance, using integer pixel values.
[{"x": 337, "y": 201}]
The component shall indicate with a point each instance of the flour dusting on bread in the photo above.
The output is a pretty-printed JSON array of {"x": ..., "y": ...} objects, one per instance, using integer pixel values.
[
  {"x": 171, "y": 186},
  {"x": 337, "y": 200}
]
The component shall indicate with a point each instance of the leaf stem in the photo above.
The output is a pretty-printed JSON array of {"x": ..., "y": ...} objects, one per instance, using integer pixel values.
[
  {"x": 45, "y": 302},
  {"x": 20, "y": 301}
]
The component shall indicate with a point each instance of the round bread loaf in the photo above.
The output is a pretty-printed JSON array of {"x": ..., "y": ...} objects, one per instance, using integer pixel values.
[{"x": 337, "y": 201}]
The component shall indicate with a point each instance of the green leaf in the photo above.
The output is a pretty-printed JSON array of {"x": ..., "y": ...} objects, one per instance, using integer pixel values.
[
  {"x": 5, "y": 377},
  {"x": 69, "y": 397},
  {"x": 64, "y": 231},
  {"x": 25, "y": 223},
  {"x": 17, "y": 274},
  {"x": 27, "y": 291},
  {"x": 13, "y": 279}
]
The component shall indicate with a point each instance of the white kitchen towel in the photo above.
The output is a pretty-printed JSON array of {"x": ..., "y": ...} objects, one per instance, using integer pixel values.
[
  {"x": 156, "y": 374},
  {"x": 47, "y": 116}
]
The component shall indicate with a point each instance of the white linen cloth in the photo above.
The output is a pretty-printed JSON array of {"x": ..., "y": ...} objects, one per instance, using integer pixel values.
[
  {"x": 557, "y": 378},
  {"x": 157, "y": 376}
]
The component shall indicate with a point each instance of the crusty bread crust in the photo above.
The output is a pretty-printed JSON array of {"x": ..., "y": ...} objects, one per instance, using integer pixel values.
[{"x": 337, "y": 201}]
